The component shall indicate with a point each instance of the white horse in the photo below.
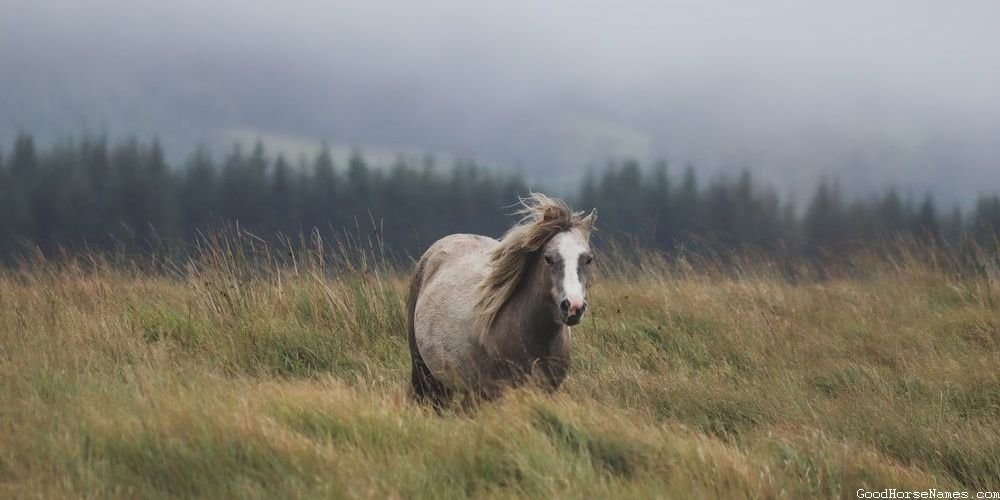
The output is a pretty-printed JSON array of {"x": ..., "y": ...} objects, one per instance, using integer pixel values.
[{"x": 484, "y": 314}]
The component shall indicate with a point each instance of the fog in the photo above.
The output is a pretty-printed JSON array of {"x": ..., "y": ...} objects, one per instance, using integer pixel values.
[{"x": 870, "y": 93}]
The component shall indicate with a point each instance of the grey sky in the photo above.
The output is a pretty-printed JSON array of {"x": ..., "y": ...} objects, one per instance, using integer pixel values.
[{"x": 901, "y": 92}]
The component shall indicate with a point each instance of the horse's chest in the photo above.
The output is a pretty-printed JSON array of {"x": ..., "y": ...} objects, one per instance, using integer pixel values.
[{"x": 546, "y": 361}]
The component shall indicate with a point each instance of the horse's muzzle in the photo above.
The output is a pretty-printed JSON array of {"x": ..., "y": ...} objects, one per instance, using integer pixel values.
[{"x": 572, "y": 315}]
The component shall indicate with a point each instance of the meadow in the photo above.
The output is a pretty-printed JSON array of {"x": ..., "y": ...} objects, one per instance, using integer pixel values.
[{"x": 258, "y": 371}]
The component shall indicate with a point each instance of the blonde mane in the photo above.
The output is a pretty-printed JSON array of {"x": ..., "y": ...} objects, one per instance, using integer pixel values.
[{"x": 541, "y": 219}]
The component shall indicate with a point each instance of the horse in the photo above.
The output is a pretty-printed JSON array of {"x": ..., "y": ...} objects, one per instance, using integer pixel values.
[{"x": 484, "y": 315}]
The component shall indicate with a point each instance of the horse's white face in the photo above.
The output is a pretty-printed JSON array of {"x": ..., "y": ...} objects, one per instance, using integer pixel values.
[{"x": 567, "y": 259}]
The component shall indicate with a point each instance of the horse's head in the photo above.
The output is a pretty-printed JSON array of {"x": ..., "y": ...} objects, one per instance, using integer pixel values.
[
  {"x": 552, "y": 243},
  {"x": 565, "y": 264}
]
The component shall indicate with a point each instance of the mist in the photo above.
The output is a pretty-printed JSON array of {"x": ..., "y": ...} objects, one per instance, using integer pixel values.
[{"x": 869, "y": 93}]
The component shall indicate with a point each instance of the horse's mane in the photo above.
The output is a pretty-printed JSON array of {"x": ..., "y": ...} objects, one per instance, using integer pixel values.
[{"x": 542, "y": 218}]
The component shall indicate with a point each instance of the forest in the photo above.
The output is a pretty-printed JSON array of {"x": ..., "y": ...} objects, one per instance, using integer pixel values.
[{"x": 95, "y": 194}]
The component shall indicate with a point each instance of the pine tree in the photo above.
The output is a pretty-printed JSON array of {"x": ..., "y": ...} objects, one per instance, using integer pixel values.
[
  {"x": 359, "y": 187},
  {"x": 954, "y": 229},
  {"x": 687, "y": 205},
  {"x": 824, "y": 219},
  {"x": 199, "y": 200},
  {"x": 23, "y": 176},
  {"x": 55, "y": 216},
  {"x": 986, "y": 219},
  {"x": 926, "y": 224},
  {"x": 95, "y": 201},
  {"x": 5, "y": 205},
  {"x": 128, "y": 192},
  {"x": 891, "y": 214},
  {"x": 158, "y": 189},
  {"x": 660, "y": 205},
  {"x": 282, "y": 211},
  {"x": 588, "y": 190},
  {"x": 255, "y": 187},
  {"x": 233, "y": 175},
  {"x": 323, "y": 206},
  {"x": 721, "y": 215}
]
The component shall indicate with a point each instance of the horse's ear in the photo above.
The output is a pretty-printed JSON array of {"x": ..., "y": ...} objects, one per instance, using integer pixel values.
[{"x": 588, "y": 222}]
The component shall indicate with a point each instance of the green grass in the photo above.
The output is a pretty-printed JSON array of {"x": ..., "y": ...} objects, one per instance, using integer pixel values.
[{"x": 240, "y": 375}]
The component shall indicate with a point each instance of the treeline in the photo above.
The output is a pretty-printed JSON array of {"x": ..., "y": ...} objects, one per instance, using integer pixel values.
[
  {"x": 89, "y": 194},
  {"x": 668, "y": 211}
]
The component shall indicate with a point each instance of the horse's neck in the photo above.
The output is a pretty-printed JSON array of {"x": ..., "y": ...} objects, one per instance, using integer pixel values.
[
  {"x": 527, "y": 321},
  {"x": 536, "y": 313}
]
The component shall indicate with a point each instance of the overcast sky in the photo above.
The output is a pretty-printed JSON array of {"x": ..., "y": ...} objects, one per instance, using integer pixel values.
[{"x": 873, "y": 93}]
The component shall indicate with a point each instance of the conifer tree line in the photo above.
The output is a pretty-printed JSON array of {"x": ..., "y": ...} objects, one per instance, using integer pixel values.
[{"x": 89, "y": 194}]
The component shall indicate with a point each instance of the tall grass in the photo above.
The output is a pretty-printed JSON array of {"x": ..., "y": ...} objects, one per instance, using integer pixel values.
[{"x": 260, "y": 370}]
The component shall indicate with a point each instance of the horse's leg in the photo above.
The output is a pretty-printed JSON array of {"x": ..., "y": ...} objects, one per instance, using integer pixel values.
[
  {"x": 473, "y": 398},
  {"x": 550, "y": 373},
  {"x": 426, "y": 387}
]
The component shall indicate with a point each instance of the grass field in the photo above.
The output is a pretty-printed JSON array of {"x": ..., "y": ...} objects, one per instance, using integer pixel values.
[{"x": 247, "y": 375}]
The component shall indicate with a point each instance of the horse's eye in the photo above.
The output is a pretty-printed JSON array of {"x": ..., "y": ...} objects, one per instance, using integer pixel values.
[
  {"x": 588, "y": 260},
  {"x": 549, "y": 259}
]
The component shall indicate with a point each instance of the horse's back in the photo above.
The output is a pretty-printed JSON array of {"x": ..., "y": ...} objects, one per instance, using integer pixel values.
[
  {"x": 444, "y": 311},
  {"x": 471, "y": 251}
]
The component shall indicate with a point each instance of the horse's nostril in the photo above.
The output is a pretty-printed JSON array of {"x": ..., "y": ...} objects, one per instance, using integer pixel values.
[
  {"x": 564, "y": 305},
  {"x": 583, "y": 307}
]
